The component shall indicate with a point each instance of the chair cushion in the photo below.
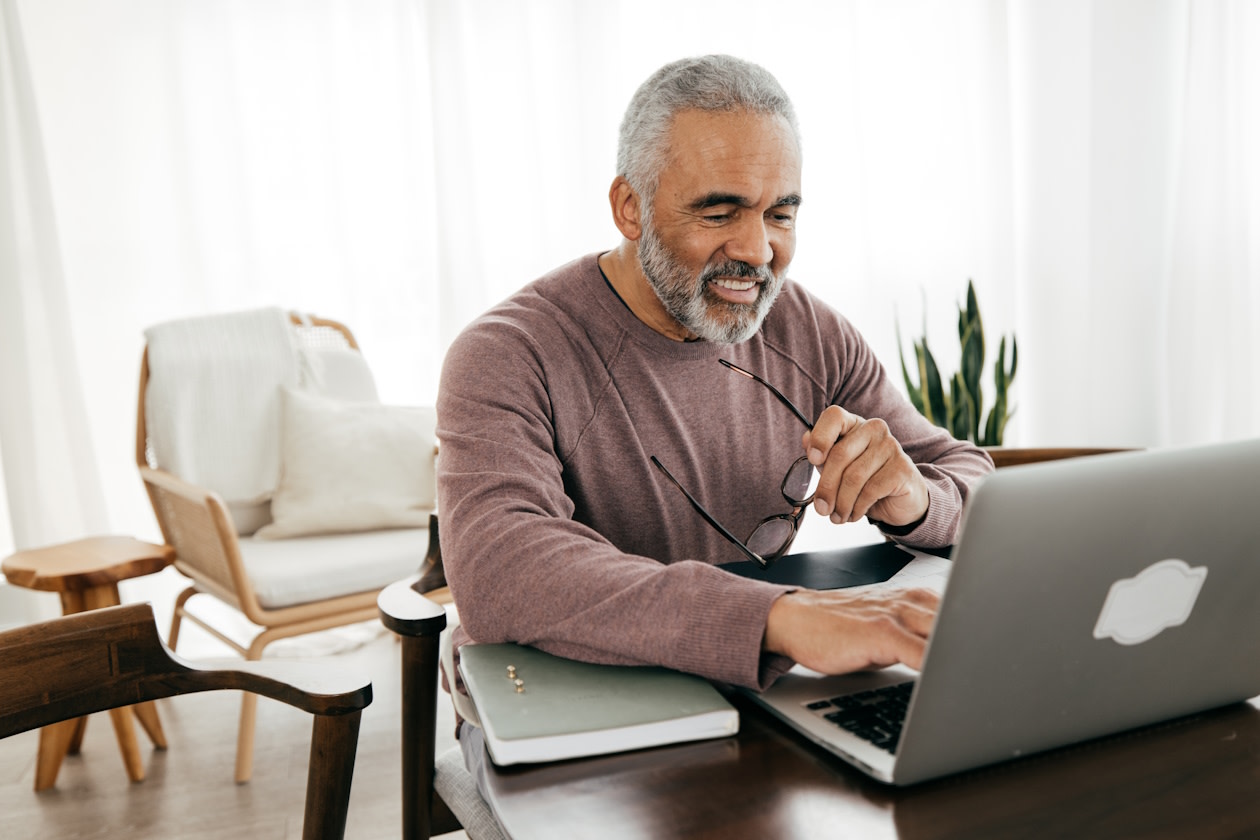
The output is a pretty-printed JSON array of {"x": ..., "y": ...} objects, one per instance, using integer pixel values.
[
  {"x": 297, "y": 571},
  {"x": 351, "y": 466},
  {"x": 458, "y": 789}
]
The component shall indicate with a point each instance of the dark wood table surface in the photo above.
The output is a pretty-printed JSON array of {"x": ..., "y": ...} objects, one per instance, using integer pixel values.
[{"x": 1196, "y": 777}]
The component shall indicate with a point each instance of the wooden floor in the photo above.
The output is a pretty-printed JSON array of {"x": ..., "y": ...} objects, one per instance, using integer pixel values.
[{"x": 189, "y": 791}]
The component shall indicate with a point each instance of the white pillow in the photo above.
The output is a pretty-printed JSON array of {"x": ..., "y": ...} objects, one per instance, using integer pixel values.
[
  {"x": 338, "y": 372},
  {"x": 351, "y": 466}
]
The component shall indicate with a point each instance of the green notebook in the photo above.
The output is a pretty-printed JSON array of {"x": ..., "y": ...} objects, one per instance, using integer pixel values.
[{"x": 567, "y": 709}]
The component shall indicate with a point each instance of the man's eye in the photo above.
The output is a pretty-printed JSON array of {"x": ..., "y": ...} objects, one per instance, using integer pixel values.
[{"x": 717, "y": 217}]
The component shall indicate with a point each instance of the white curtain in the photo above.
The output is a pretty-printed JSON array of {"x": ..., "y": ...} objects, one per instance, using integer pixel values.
[
  {"x": 1092, "y": 166},
  {"x": 1137, "y": 173},
  {"x": 1209, "y": 288},
  {"x": 51, "y": 476}
]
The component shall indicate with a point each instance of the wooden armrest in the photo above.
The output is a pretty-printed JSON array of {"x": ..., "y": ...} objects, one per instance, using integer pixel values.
[
  {"x": 160, "y": 479},
  {"x": 210, "y": 507},
  {"x": 407, "y": 612},
  {"x": 196, "y": 523},
  {"x": 103, "y": 659},
  {"x": 310, "y": 686}
]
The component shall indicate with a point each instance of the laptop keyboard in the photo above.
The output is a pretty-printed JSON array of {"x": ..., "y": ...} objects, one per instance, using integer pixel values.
[{"x": 875, "y": 715}]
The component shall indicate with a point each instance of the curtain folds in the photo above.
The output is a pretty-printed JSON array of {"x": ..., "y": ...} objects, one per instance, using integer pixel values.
[
  {"x": 1092, "y": 165},
  {"x": 1210, "y": 288},
  {"x": 51, "y": 478}
]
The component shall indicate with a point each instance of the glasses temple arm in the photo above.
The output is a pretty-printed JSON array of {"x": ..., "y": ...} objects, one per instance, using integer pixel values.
[
  {"x": 717, "y": 526},
  {"x": 799, "y": 415}
]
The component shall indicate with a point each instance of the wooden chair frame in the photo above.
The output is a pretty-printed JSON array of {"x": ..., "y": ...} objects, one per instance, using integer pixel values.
[
  {"x": 61, "y": 670},
  {"x": 419, "y": 623},
  {"x": 196, "y": 523}
]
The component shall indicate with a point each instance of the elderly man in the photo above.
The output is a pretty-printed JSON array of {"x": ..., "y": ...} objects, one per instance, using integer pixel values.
[{"x": 589, "y": 419}]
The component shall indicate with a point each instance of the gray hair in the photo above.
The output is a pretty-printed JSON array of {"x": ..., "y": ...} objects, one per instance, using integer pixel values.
[{"x": 707, "y": 83}]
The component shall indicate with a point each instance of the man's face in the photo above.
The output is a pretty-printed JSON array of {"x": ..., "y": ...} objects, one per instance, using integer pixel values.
[{"x": 722, "y": 230}]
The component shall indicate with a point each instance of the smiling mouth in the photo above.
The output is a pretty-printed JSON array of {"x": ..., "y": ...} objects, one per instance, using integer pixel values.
[{"x": 734, "y": 284}]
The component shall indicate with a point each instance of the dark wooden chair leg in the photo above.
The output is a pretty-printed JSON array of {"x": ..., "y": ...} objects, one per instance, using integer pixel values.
[
  {"x": 424, "y": 812},
  {"x": 334, "y": 742},
  {"x": 419, "y": 622},
  {"x": 419, "y": 732}
]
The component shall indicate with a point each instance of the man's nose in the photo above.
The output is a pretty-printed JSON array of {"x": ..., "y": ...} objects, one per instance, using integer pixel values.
[{"x": 751, "y": 243}]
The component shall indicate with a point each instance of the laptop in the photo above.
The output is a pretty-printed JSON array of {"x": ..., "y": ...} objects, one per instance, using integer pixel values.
[{"x": 1085, "y": 597}]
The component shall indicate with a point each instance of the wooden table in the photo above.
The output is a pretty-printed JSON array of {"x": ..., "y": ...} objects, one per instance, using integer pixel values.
[
  {"x": 85, "y": 573},
  {"x": 1196, "y": 777}
]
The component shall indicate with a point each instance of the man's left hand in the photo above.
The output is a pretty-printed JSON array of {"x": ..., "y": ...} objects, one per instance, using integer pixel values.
[{"x": 863, "y": 471}]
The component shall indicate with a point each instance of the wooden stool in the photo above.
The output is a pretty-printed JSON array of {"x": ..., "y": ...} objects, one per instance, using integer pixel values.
[{"x": 86, "y": 573}]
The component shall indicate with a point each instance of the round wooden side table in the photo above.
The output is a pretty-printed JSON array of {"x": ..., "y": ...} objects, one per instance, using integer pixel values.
[{"x": 85, "y": 573}]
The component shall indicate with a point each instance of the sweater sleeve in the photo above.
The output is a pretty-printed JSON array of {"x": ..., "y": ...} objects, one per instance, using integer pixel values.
[{"x": 522, "y": 569}]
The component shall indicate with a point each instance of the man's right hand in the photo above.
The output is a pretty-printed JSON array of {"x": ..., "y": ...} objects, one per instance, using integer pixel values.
[{"x": 838, "y": 631}]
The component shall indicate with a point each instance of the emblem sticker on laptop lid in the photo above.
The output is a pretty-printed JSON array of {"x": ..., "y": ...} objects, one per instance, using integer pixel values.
[{"x": 1139, "y": 608}]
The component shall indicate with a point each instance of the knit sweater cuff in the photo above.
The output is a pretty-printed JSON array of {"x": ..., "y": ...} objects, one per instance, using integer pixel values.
[
  {"x": 938, "y": 526},
  {"x": 725, "y": 628}
]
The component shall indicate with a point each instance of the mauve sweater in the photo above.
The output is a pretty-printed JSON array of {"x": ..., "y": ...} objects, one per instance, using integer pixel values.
[{"x": 558, "y": 532}]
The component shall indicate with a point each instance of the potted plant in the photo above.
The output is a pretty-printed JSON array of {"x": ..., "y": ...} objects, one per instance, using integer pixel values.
[{"x": 961, "y": 408}]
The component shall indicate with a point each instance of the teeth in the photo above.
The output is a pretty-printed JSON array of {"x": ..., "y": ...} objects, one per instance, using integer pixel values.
[{"x": 734, "y": 285}]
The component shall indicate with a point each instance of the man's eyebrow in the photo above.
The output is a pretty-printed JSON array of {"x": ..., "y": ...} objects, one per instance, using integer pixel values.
[{"x": 716, "y": 199}]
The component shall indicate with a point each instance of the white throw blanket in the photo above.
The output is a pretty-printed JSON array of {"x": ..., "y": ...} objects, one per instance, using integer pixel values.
[{"x": 213, "y": 406}]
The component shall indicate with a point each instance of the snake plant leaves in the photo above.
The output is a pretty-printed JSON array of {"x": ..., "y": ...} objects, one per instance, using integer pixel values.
[
  {"x": 962, "y": 408},
  {"x": 930, "y": 376},
  {"x": 962, "y": 411},
  {"x": 912, "y": 388}
]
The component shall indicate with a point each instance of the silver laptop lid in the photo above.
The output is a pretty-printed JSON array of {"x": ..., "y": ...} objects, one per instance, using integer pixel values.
[{"x": 1091, "y": 596}]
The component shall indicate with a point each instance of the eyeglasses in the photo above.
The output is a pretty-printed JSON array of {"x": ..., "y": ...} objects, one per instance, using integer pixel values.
[{"x": 772, "y": 536}]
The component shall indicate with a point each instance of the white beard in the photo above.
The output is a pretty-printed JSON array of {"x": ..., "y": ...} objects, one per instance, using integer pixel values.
[{"x": 688, "y": 299}]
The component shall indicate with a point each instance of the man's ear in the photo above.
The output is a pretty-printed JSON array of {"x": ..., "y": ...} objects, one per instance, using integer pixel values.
[{"x": 625, "y": 208}]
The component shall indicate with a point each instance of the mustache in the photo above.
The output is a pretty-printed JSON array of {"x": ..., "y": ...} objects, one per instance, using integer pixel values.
[{"x": 737, "y": 268}]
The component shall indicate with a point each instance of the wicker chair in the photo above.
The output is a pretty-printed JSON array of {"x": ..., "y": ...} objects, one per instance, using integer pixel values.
[
  {"x": 61, "y": 670},
  {"x": 200, "y": 526}
]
